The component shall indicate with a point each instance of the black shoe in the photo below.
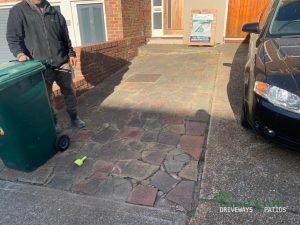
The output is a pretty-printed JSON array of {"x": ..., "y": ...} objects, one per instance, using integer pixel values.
[{"x": 78, "y": 123}]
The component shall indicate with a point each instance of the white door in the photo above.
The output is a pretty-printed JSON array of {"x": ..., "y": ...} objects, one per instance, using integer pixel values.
[{"x": 157, "y": 18}]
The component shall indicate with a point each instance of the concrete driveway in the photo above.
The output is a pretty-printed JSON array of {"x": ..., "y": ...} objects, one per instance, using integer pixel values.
[{"x": 241, "y": 166}]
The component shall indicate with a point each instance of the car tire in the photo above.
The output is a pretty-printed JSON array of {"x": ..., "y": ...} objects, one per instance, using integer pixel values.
[{"x": 244, "y": 121}]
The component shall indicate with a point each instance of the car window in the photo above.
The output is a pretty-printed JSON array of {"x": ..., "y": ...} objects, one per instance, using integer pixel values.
[
  {"x": 286, "y": 20},
  {"x": 264, "y": 16}
]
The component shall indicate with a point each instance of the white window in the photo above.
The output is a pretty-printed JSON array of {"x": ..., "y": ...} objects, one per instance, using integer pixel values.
[
  {"x": 5, "y": 54},
  {"x": 89, "y": 20}
]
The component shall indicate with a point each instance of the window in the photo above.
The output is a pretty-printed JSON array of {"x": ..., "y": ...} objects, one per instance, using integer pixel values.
[
  {"x": 286, "y": 19},
  {"x": 5, "y": 54},
  {"x": 91, "y": 23}
]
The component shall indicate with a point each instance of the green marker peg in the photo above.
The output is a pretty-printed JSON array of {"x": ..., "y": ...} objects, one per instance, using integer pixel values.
[{"x": 79, "y": 162}]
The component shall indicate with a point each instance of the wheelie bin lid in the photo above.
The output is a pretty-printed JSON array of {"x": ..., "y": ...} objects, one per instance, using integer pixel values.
[{"x": 14, "y": 71}]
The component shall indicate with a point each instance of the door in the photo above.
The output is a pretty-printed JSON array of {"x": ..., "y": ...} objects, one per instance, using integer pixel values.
[
  {"x": 173, "y": 17},
  {"x": 157, "y": 18},
  {"x": 5, "y": 54},
  {"x": 241, "y": 12},
  {"x": 91, "y": 23}
]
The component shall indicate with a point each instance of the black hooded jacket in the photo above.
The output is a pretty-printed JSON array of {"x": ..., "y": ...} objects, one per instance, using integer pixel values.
[{"x": 42, "y": 36}]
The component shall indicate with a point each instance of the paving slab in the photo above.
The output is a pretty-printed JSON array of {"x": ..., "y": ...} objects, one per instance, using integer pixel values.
[
  {"x": 178, "y": 155},
  {"x": 143, "y": 195},
  {"x": 105, "y": 135},
  {"x": 89, "y": 186},
  {"x": 175, "y": 161},
  {"x": 61, "y": 181},
  {"x": 129, "y": 132},
  {"x": 190, "y": 171},
  {"x": 154, "y": 157},
  {"x": 195, "y": 128},
  {"x": 192, "y": 145},
  {"x": 150, "y": 136},
  {"x": 169, "y": 138},
  {"x": 176, "y": 128},
  {"x": 39, "y": 176},
  {"x": 134, "y": 169},
  {"x": 163, "y": 181},
  {"x": 115, "y": 188},
  {"x": 10, "y": 174},
  {"x": 182, "y": 194}
]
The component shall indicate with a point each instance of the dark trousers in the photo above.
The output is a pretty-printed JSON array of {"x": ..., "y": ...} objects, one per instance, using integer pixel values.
[{"x": 63, "y": 77}]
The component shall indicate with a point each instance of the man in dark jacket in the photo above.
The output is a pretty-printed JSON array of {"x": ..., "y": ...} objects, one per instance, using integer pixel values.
[{"x": 35, "y": 30}]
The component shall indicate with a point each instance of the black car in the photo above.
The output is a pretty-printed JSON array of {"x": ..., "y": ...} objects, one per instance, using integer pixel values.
[{"x": 271, "y": 103}]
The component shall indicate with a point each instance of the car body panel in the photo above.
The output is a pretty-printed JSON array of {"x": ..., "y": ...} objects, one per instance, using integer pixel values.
[{"x": 276, "y": 61}]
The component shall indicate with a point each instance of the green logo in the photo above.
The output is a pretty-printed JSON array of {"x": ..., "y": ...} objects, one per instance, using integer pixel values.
[
  {"x": 1, "y": 132},
  {"x": 225, "y": 200}
]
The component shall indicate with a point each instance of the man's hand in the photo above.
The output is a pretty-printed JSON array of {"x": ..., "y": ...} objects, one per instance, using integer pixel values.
[
  {"x": 73, "y": 61},
  {"x": 23, "y": 58}
]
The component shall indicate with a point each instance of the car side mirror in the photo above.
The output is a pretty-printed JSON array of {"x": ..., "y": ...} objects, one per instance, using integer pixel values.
[{"x": 251, "y": 28}]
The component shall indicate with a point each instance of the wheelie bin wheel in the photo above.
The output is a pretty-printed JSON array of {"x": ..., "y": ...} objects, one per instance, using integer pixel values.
[{"x": 62, "y": 143}]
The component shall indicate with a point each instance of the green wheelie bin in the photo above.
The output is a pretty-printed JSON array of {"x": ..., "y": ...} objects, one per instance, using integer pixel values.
[{"x": 27, "y": 130}]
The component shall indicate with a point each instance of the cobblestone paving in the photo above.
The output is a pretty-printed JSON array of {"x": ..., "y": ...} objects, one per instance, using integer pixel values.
[{"x": 146, "y": 128}]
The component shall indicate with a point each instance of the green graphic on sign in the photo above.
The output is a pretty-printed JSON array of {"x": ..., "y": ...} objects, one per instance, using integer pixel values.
[{"x": 202, "y": 27}]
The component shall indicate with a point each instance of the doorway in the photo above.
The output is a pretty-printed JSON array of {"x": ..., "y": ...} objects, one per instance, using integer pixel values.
[{"x": 167, "y": 18}]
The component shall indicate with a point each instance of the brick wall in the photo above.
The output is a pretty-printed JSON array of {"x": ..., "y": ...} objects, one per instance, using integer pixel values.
[
  {"x": 133, "y": 18},
  {"x": 128, "y": 18},
  {"x": 114, "y": 22},
  {"x": 146, "y": 9},
  {"x": 97, "y": 62}
]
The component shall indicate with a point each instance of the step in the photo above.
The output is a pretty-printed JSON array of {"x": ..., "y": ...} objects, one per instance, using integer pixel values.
[
  {"x": 153, "y": 49},
  {"x": 171, "y": 41},
  {"x": 30, "y": 205}
]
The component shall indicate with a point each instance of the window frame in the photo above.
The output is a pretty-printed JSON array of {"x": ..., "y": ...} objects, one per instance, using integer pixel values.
[{"x": 75, "y": 18}]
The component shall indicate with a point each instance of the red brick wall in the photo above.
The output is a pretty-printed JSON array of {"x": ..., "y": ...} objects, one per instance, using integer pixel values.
[
  {"x": 114, "y": 23},
  {"x": 146, "y": 8},
  {"x": 97, "y": 62},
  {"x": 128, "y": 18},
  {"x": 133, "y": 18}
]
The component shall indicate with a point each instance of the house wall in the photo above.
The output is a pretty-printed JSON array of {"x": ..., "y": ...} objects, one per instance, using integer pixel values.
[
  {"x": 146, "y": 9},
  {"x": 114, "y": 23},
  {"x": 127, "y": 22},
  {"x": 219, "y": 5},
  {"x": 133, "y": 19}
]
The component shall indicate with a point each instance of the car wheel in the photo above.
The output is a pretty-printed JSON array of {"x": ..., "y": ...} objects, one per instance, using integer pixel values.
[{"x": 244, "y": 121}]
